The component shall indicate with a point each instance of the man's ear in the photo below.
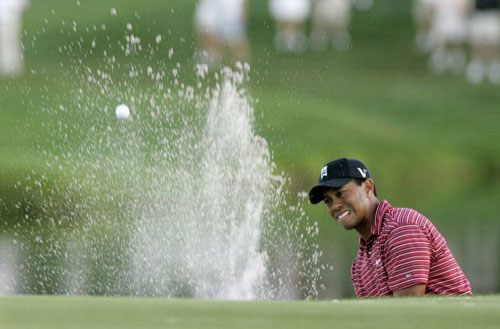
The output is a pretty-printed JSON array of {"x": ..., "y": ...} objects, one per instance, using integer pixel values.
[{"x": 369, "y": 186}]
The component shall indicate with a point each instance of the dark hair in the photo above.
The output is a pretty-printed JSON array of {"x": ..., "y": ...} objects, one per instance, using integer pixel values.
[{"x": 359, "y": 182}]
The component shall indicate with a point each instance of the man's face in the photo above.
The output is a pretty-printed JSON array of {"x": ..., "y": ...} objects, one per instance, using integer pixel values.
[{"x": 349, "y": 205}]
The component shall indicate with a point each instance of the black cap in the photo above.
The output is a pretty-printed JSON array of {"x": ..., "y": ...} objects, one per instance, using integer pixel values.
[{"x": 336, "y": 174}]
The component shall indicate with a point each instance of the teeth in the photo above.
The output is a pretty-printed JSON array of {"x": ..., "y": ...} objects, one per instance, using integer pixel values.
[{"x": 344, "y": 214}]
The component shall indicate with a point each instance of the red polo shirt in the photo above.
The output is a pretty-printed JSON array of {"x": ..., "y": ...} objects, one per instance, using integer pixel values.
[{"x": 403, "y": 250}]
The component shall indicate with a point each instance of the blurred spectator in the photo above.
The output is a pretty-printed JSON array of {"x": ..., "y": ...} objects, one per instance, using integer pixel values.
[
  {"x": 290, "y": 16},
  {"x": 9, "y": 262},
  {"x": 208, "y": 46},
  {"x": 231, "y": 28},
  {"x": 485, "y": 43},
  {"x": 11, "y": 58},
  {"x": 330, "y": 23},
  {"x": 362, "y": 4},
  {"x": 449, "y": 35},
  {"x": 221, "y": 29},
  {"x": 423, "y": 14}
]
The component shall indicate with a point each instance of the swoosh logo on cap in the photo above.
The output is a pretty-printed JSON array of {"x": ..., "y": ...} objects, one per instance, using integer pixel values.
[{"x": 363, "y": 172}]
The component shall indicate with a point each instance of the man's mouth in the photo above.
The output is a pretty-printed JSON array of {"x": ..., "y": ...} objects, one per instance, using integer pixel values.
[{"x": 343, "y": 215}]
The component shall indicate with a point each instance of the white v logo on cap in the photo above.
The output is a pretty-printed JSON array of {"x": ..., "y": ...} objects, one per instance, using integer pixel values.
[
  {"x": 324, "y": 172},
  {"x": 363, "y": 172}
]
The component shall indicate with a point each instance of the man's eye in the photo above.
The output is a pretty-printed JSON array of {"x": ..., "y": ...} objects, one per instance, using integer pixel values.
[{"x": 338, "y": 194}]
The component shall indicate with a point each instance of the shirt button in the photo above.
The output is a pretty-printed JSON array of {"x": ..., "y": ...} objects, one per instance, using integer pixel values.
[{"x": 369, "y": 253}]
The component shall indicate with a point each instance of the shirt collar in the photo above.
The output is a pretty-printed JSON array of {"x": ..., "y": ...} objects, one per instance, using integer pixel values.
[{"x": 382, "y": 208}]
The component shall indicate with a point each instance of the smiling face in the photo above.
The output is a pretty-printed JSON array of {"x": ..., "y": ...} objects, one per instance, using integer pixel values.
[{"x": 353, "y": 206}]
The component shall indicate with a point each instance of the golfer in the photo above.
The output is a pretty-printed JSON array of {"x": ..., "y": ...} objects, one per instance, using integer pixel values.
[{"x": 400, "y": 253}]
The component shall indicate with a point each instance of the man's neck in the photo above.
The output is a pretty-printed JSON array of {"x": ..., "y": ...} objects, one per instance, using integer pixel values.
[{"x": 365, "y": 231}]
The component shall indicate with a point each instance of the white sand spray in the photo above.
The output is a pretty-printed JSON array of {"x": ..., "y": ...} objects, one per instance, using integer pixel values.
[{"x": 181, "y": 199}]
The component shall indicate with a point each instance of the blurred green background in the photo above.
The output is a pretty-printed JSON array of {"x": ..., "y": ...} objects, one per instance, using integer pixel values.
[{"x": 430, "y": 141}]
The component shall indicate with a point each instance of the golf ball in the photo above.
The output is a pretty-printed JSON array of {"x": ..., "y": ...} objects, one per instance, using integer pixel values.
[{"x": 122, "y": 112}]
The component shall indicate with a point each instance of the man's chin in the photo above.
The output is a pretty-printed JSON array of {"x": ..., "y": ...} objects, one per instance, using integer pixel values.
[
  {"x": 347, "y": 223},
  {"x": 347, "y": 226}
]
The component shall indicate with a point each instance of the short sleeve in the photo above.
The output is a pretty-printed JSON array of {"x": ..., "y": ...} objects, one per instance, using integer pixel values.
[{"x": 407, "y": 257}]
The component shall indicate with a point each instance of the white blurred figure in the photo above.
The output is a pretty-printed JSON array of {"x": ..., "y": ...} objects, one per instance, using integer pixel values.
[
  {"x": 449, "y": 35},
  {"x": 424, "y": 12},
  {"x": 231, "y": 28},
  {"x": 290, "y": 16},
  {"x": 221, "y": 29},
  {"x": 485, "y": 43},
  {"x": 11, "y": 57},
  {"x": 209, "y": 48},
  {"x": 9, "y": 261},
  {"x": 363, "y": 5},
  {"x": 330, "y": 23}
]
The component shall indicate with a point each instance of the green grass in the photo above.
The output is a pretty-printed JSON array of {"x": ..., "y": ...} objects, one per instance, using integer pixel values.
[{"x": 148, "y": 313}]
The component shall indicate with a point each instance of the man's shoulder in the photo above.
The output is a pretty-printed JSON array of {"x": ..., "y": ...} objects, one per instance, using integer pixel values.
[
  {"x": 403, "y": 218},
  {"x": 408, "y": 216}
]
